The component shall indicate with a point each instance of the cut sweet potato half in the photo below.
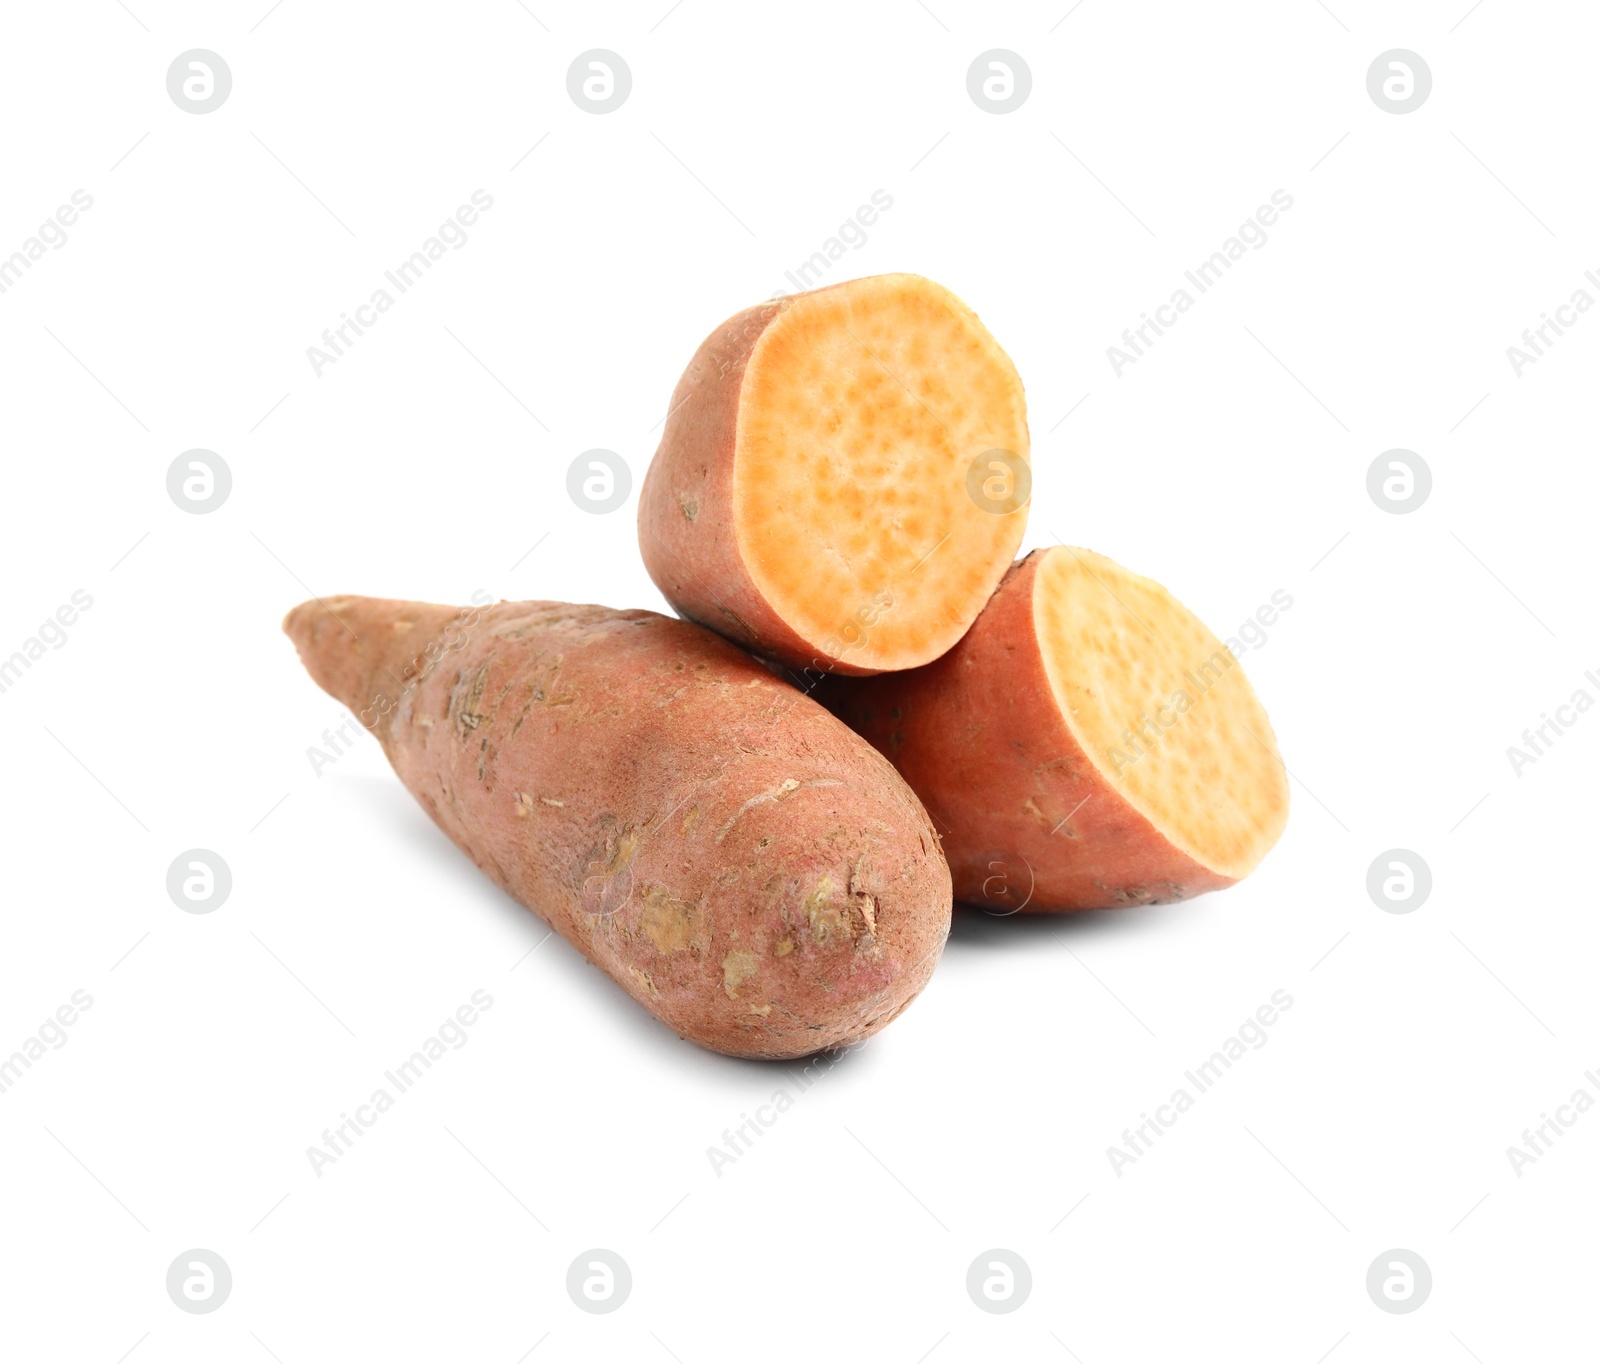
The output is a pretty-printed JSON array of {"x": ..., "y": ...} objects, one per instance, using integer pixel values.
[
  {"x": 843, "y": 477},
  {"x": 1088, "y": 744}
]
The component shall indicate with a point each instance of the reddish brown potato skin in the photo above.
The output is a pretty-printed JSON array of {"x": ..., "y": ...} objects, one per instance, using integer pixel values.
[
  {"x": 736, "y": 859},
  {"x": 1029, "y": 823},
  {"x": 686, "y": 531}
]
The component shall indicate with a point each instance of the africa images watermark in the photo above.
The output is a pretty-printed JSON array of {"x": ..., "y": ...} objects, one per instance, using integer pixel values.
[
  {"x": 52, "y": 234},
  {"x": 1202, "y": 679},
  {"x": 450, "y": 1035},
  {"x": 1250, "y": 236},
  {"x": 52, "y": 632},
  {"x": 1251, "y": 1034},
  {"x": 451, "y": 233},
  {"x": 1537, "y": 1141},
  {"x": 336, "y": 742},
  {"x": 1537, "y": 340},
  {"x": 851, "y": 634},
  {"x": 1167, "y": 714},
  {"x": 741, "y": 1140},
  {"x": 1252, "y": 631},
  {"x": 852, "y": 233},
  {"x": 52, "y": 1034},
  {"x": 1538, "y": 741}
]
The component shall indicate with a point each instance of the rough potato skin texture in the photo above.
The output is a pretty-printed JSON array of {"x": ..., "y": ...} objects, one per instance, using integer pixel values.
[
  {"x": 736, "y": 859},
  {"x": 979, "y": 736},
  {"x": 686, "y": 532}
]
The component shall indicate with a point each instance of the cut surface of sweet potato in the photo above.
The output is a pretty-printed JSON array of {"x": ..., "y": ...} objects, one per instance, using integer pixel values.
[
  {"x": 843, "y": 480},
  {"x": 1162, "y": 707},
  {"x": 861, "y": 411},
  {"x": 1087, "y": 744}
]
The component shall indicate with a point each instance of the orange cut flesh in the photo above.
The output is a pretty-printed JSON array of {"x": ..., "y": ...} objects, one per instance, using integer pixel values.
[
  {"x": 862, "y": 408},
  {"x": 1162, "y": 707}
]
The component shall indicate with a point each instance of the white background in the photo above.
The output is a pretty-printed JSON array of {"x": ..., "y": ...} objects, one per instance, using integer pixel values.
[{"x": 1228, "y": 462}]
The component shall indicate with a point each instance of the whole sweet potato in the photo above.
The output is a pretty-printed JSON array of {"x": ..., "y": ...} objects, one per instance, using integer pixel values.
[
  {"x": 1088, "y": 744},
  {"x": 736, "y": 859}
]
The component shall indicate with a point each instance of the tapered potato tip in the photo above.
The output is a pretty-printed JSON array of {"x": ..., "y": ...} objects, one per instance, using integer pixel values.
[{"x": 358, "y": 649}]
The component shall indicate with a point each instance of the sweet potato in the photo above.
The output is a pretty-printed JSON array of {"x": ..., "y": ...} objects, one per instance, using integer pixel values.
[
  {"x": 842, "y": 478},
  {"x": 1088, "y": 744},
  {"x": 737, "y": 860}
]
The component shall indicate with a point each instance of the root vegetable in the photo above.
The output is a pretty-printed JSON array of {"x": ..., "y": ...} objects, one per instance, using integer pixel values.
[
  {"x": 744, "y": 866},
  {"x": 810, "y": 497},
  {"x": 1088, "y": 744}
]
